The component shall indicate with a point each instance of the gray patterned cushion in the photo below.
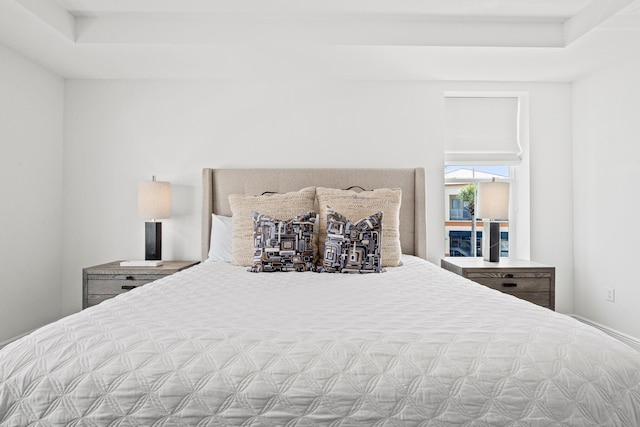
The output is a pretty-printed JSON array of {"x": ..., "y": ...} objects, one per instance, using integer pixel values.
[
  {"x": 283, "y": 245},
  {"x": 352, "y": 247}
]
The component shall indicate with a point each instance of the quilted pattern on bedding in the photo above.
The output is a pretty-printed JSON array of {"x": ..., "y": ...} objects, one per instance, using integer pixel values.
[{"x": 415, "y": 346}]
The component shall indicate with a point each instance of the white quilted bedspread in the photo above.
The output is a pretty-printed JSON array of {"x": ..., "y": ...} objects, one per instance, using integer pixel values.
[{"x": 215, "y": 345}]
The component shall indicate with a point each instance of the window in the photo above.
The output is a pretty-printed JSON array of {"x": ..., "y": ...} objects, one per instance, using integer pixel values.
[
  {"x": 504, "y": 243},
  {"x": 486, "y": 138},
  {"x": 459, "y": 209},
  {"x": 460, "y": 243},
  {"x": 458, "y": 222}
]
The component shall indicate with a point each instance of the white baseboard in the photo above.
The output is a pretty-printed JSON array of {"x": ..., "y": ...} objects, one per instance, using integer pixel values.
[{"x": 627, "y": 339}]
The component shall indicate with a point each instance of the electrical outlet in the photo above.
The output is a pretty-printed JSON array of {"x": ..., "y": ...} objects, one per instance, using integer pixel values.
[{"x": 610, "y": 295}]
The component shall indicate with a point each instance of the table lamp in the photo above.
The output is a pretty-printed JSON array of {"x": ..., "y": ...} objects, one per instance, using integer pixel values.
[
  {"x": 493, "y": 204},
  {"x": 154, "y": 202}
]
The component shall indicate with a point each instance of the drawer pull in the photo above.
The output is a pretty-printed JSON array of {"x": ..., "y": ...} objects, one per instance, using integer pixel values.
[
  {"x": 130, "y": 278},
  {"x": 510, "y": 285},
  {"x": 509, "y": 276},
  {"x": 128, "y": 287}
]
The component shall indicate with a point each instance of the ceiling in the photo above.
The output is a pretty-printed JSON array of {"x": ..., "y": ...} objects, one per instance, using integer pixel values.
[{"x": 494, "y": 40}]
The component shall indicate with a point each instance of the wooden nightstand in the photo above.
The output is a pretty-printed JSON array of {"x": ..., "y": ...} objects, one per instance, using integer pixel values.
[
  {"x": 105, "y": 281},
  {"x": 524, "y": 279}
]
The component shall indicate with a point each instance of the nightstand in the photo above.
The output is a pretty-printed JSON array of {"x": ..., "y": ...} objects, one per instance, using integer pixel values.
[
  {"x": 523, "y": 279},
  {"x": 105, "y": 281}
]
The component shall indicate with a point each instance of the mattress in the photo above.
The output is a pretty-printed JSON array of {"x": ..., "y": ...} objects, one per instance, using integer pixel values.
[{"x": 416, "y": 345}]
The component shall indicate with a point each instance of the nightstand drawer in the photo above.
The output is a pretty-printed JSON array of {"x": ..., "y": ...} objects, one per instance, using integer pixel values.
[
  {"x": 117, "y": 284},
  {"x": 539, "y": 298},
  {"x": 96, "y": 299},
  {"x": 513, "y": 284}
]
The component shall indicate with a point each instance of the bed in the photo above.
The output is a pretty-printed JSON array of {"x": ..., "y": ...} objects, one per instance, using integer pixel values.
[{"x": 414, "y": 345}]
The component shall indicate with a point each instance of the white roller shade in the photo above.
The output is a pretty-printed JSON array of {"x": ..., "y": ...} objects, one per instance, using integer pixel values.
[{"x": 481, "y": 130}]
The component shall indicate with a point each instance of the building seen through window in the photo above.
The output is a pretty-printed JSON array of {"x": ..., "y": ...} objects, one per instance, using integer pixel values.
[{"x": 458, "y": 215}]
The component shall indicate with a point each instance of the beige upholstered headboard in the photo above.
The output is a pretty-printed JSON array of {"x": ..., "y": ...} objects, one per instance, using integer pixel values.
[{"x": 218, "y": 184}]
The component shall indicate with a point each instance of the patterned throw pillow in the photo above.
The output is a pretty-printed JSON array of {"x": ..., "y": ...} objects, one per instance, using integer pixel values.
[
  {"x": 283, "y": 245},
  {"x": 358, "y": 205},
  {"x": 284, "y": 206},
  {"x": 352, "y": 247}
]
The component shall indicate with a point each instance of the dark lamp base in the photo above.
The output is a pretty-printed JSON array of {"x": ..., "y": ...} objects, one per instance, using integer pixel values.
[
  {"x": 491, "y": 243},
  {"x": 152, "y": 241}
]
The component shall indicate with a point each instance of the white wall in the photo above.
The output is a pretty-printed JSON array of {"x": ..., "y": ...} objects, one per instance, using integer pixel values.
[
  {"x": 606, "y": 157},
  {"x": 551, "y": 187},
  {"x": 31, "y": 138},
  {"x": 120, "y": 132}
]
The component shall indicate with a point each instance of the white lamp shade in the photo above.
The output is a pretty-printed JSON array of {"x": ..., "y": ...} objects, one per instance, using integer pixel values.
[
  {"x": 493, "y": 200},
  {"x": 154, "y": 199}
]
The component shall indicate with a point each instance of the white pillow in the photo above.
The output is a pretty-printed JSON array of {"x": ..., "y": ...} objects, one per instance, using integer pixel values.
[{"x": 220, "y": 244}]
